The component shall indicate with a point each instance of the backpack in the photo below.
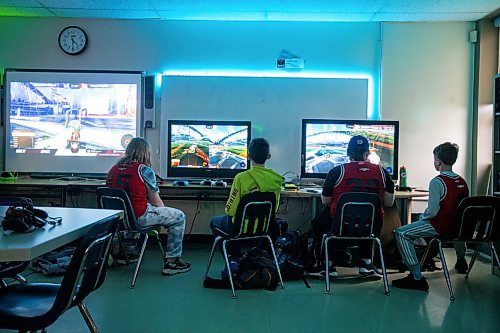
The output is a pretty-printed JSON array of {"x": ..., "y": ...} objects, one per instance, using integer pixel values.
[
  {"x": 53, "y": 263},
  {"x": 295, "y": 253},
  {"x": 256, "y": 270}
]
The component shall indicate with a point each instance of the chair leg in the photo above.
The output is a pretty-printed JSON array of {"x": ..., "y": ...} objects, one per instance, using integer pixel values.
[
  {"x": 327, "y": 270},
  {"x": 472, "y": 261},
  {"x": 276, "y": 261},
  {"x": 211, "y": 257},
  {"x": 88, "y": 319},
  {"x": 122, "y": 246},
  {"x": 20, "y": 278},
  {"x": 445, "y": 270},
  {"x": 384, "y": 273},
  {"x": 495, "y": 255},
  {"x": 226, "y": 258},
  {"x": 157, "y": 234},
  {"x": 422, "y": 260},
  {"x": 139, "y": 261}
]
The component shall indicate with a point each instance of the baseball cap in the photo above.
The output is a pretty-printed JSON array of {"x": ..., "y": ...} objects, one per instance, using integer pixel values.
[{"x": 358, "y": 143}]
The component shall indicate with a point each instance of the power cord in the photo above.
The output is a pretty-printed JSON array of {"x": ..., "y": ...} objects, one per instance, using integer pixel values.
[{"x": 194, "y": 219}]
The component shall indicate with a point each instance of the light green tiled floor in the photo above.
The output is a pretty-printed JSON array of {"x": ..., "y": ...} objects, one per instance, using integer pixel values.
[{"x": 181, "y": 304}]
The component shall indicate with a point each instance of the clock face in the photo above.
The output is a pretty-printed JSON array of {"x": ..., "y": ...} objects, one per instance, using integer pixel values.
[{"x": 72, "y": 40}]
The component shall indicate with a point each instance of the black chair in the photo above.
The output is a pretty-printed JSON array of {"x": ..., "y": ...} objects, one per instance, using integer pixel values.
[
  {"x": 11, "y": 269},
  {"x": 35, "y": 306},
  {"x": 358, "y": 216},
  {"x": 114, "y": 198},
  {"x": 476, "y": 218},
  {"x": 253, "y": 216}
]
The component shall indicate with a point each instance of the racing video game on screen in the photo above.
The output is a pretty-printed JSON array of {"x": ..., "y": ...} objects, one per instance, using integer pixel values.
[
  {"x": 326, "y": 145},
  {"x": 209, "y": 146},
  {"x": 72, "y": 119}
]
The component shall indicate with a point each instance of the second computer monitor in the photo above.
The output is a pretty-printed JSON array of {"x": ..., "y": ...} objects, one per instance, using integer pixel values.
[
  {"x": 324, "y": 144},
  {"x": 207, "y": 149}
]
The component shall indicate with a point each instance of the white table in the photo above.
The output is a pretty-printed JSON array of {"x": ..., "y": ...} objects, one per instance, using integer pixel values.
[{"x": 75, "y": 223}]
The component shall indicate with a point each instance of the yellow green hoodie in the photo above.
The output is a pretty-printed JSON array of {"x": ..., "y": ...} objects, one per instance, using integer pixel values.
[{"x": 256, "y": 179}]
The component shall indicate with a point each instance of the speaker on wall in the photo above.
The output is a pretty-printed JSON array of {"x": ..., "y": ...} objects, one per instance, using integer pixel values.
[{"x": 150, "y": 100}]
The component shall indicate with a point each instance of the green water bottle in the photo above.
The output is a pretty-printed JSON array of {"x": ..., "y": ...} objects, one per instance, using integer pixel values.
[{"x": 402, "y": 176}]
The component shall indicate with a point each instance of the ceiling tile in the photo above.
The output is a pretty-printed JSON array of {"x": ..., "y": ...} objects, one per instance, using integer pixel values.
[
  {"x": 25, "y": 12},
  {"x": 427, "y": 17},
  {"x": 109, "y": 14},
  {"x": 98, "y": 4}
]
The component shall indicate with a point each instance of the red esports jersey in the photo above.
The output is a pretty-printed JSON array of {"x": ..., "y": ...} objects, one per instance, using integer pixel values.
[
  {"x": 128, "y": 178},
  {"x": 455, "y": 189},
  {"x": 358, "y": 177}
]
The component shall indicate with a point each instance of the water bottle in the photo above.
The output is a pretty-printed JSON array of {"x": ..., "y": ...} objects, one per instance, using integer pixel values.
[{"x": 402, "y": 176}]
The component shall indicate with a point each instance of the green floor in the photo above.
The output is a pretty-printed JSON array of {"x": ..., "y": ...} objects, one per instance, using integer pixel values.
[{"x": 181, "y": 304}]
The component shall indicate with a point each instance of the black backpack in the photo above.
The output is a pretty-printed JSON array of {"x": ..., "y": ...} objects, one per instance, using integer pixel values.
[
  {"x": 295, "y": 254},
  {"x": 256, "y": 270}
]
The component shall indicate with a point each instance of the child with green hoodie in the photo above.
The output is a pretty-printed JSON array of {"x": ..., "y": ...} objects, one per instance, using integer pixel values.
[{"x": 258, "y": 178}]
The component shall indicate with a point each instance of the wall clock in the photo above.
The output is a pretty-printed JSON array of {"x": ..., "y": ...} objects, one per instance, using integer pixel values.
[{"x": 73, "y": 40}]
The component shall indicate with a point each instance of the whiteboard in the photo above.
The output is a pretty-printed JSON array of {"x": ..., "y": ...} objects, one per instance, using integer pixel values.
[{"x": 274, "y": 105}]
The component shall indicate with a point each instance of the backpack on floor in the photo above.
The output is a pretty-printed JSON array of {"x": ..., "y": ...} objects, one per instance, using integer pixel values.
[
  {"x": 256, "y": 270},
  {"x": 295, "y": 253}
]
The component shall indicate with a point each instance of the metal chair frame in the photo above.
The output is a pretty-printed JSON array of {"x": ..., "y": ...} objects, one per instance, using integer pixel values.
[
  {"x": 329, "y": 236},
  {"x": 126, "y": 225},
  {"x": 239, "y": 237},
  {"x": 484, "y": 237}
]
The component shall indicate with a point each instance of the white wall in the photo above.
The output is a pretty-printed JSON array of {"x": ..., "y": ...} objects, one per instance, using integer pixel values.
[
  {"x": 425, "y": 76},
  {"x": 426, "y": 85}
]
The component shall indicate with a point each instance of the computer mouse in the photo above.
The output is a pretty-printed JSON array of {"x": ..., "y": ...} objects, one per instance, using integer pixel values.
[{"x": 180, "y": 183}]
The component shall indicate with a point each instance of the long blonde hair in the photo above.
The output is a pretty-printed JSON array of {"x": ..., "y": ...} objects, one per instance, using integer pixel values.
[{"x": 137, "y": 150}]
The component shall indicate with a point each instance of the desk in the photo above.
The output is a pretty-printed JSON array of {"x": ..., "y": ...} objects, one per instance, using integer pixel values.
[
  {"x": 402, "y": 200},
  {"x": 75, "y": 223},
  {"x": 304, "y": 203}
]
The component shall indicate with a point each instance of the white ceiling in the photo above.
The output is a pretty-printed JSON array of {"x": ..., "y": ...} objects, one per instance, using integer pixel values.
[{"x": 257, "y": 10}]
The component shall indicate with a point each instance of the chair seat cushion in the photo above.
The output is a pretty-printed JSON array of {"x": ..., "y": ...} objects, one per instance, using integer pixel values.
[{"x": 21, "y": 302}]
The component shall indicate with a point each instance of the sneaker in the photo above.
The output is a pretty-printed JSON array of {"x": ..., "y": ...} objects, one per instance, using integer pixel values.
[
  {"x": 332, "y": 272},
  {"x": 461, "y": 266},
  {"x": 410, "y": 283},
  {"x": 318, "y": 271},
  {"x": 176, "y": 267},
  {"x": 368, "y": 269},
  {"x": 120, "y": 259}
]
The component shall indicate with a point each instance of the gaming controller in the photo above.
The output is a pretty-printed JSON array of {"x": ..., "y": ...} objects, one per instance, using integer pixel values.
[
  {"x": 207, "y": 182},
  {"x": 180, "y": 183},
  {"x": 219, "y": 182}
]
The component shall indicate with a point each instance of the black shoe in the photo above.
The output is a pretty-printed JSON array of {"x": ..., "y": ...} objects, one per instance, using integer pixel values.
[
  {"x": 461, "y": 266},
  {"x": 410, "y": 283},
  {"x": 176, "y": 267}
]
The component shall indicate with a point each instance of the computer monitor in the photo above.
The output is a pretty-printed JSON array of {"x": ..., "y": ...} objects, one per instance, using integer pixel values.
[
  {"x": 69, "y": 122},
  {"x": 324, "y": 144},
  {"x": 207, "y": 149}
]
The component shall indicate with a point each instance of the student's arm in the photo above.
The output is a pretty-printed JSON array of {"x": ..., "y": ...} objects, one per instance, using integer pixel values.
[
  {"x": 436, "y": 191},
  {"x": 388, "y": 199},
  {"x": 234, "y": 197},
  {"x": 330, "y": 181},
  {"x": 149, "y": 179}
]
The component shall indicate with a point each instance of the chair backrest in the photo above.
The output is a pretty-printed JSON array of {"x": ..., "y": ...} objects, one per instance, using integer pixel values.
[
  {"x": 358, "y": 214},
  {"x": 87, "y": 268},
  {"x": 255, "y": 212},
  {"x": 115, "y": 198},
  {"x": 476, "y": 218}
]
